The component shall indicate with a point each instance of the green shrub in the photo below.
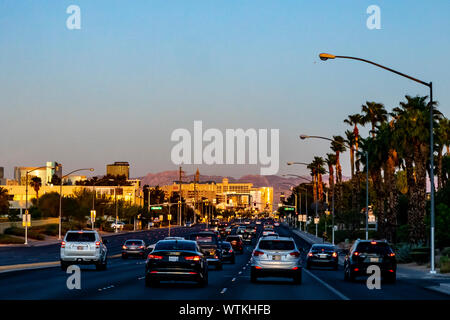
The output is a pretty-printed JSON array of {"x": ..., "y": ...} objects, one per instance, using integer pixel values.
[
  {"x": 128, "y": 227},
  {"x": 444, "y": 263},
  {"x": 403, "y": 253},
  {"x": 420, "y": 255},
  {"x": 446, "y": 252},
  {"x": 7, "y": 239},
  {"x": 15, "y": 231}
]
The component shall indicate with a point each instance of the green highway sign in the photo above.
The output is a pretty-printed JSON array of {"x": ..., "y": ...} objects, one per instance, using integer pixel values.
[
  {"x": 156, "y": 208},
  {"x": 289, "y": 209}
]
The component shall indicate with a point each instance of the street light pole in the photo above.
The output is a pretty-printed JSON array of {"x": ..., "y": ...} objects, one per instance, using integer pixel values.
[{"x": 326, "y": 56}]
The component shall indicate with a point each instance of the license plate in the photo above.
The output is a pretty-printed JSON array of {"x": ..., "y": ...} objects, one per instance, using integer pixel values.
[
  {"x": 277, "y": 258},
  {"x": 80, "y": 248},
  {"x": 173, "y": 259},
  {"x": 374, "y": 259},
  {"x": 323, "y": 256}
]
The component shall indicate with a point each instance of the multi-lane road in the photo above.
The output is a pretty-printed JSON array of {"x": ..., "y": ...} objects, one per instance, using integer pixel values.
[{"x": 124, "y": 279}]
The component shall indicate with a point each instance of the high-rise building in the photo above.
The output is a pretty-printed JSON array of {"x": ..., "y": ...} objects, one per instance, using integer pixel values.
[
  {"x": 118, "y": 168},
  {"x": 45, "y": 173}
]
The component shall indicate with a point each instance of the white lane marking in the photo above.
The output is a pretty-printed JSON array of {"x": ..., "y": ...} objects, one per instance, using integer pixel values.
[
  {"x": 223, "y": 290},
  {"x": 339, "y": 294},
  {"x": 105, "y": 288},
  {"x": 140, "y": 278},
  {"x": 240, "y": 272},
  {"x": 234, "y": 279}
]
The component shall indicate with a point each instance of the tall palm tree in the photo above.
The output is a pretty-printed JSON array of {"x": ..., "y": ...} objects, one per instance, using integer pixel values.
[
  {"x": 36, "y": 184},
  {"x": 411, "y": 135},
  {"x": 442, "y": 140},
  {"x": 338, "y": 147},
  {"x": 4, "y": 201},
  {"x": 373, "y": 113},
  {"x": 354, "y": 120},
  {"x": 330, "y": 160}
]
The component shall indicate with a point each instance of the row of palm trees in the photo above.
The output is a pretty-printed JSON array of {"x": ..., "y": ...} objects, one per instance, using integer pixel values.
[{"x": 397, "y": 141}]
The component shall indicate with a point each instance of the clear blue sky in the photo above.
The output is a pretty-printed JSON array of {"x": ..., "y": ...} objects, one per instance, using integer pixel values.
[{"x": 137, "y": 70}]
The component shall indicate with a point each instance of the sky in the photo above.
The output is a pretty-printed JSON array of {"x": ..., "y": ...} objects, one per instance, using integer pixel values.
[{"x": 117, "y": 88}]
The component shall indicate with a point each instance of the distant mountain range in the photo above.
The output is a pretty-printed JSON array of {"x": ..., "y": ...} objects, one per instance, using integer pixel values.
[{"x": 279, "y": 184}]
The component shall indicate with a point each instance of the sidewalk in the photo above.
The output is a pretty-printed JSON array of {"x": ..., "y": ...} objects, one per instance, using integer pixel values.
[{"x": 404, "y": 271}]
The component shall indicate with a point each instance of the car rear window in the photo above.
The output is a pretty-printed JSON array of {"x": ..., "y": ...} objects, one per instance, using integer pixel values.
[
  {"x": 175, "y": 245},
  {"x": 226, "y": 245},
  {"x": 276, "y": 245},
  {"x": 378, "y": 248},
  {"x": 80, "y": 237},
  {"x": 320, "y": 248},
  {"x": 232, "y": 239},
  {"x": 133, "y": 243}
]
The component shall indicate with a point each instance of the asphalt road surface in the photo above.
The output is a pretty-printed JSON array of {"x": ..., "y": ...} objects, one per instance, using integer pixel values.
[{"x": 124, "y": 279}]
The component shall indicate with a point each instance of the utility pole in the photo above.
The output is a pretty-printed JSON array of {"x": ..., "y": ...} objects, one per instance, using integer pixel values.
[{"x": 181, "y": 197}]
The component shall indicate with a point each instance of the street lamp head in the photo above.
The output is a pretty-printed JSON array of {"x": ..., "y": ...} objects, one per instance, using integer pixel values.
[
  {"x": 326, "y": 56},
  {"x": 303, "y": 136},
  {"x": 91, "y": 169}
]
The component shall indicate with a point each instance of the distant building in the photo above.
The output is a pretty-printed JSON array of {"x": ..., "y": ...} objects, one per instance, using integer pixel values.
[
  {"x": 2, "y": 176},
  {"x": 46, "y": 173},
  {"x": 118, "y": 169}
]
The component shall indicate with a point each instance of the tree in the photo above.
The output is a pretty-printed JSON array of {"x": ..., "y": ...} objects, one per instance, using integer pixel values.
[
  {"x": 49, "y": 204},
  {"x": 373, "y": 113},
  {"x": 4, "y": 201},
  {"x": 337, "y": 145},
  {"x": 56, "y": 180},
  {"x": 36, "y": 184},
  {"x": 442, "y": 133}
]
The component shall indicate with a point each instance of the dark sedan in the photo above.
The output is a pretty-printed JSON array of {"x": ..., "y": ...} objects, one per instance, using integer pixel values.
[
  {"x": 228, "y": 252},
  {"x": 136, "y": 248},
  {"x": 322, "y": 255},
  {"x": 236, "y": 243},
  {"x": 176, "y": 260}
]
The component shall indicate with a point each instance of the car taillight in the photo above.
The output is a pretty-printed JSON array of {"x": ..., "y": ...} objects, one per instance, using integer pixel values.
[
  {"x": 230, "y": 251},
  {"x": 124, "y": 247},
  {"x": 141, "y": 247},
  {"x": 391, "y": 254},
  {"x": 63, "y": 244},
  {"x": 257, "y": 253},
  {"x": 295, "y": 254},
  {"x": 97, "y": 244},
  {"x": 193, "y": 258},
  {"x": 310, "y": 254},
  {"x": 356, "y": 253},
  {"x": 334, "y": 254},
  {"x": 154, "y": 257}
]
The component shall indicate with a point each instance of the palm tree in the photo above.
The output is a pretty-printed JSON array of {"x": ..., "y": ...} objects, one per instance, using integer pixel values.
[
  {"x": 411, "y": 135},
  {"x": 353, "y": 120},
  {"x": 442, "y": 139},
  {"x": 337, "y": 145},
  {"x": 4, "y": 201},
  {"x": 36, "y": 184},
  {"x": 373, "y": 113},
  {"x": 330, "y": 160}
]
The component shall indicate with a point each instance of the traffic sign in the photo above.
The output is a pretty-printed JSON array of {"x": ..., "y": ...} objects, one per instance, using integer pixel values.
[
  {"x": 156, "y": 208},
  {"x": 289, "y": 209},
  {"x": 93, "y": 215},
  {"x": 316, "y": 220},
  {"x": 161, "y": 217},
  {"x": 169, "y": 216},
  {"x": 26, "y": 220}
]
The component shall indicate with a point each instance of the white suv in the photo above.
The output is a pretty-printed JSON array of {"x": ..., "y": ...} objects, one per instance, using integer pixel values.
[{"x": 83, "y": 247}]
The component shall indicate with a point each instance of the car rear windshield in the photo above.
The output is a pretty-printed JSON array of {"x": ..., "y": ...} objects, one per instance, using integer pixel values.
[
  {"x": 276, "y": 245},
  {"x": 378, "y": 248},
  {"x": 322, "y": 248},
  {"x": 80, "y": 237},
  {"x": 226, "y": 245},
  {"x": 203, "y": 239},
  {"x": 133, "y": 243},
  {"x": 232, "y": 239},
  {"x": 175, "y": 245}
]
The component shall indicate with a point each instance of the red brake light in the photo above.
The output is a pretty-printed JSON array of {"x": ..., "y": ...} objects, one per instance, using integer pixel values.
[
  {"x": 141, "y": 247},
  {"x": 334, "y": 254},
  {"x": 257, "y": 267},
  {"x": 257, "y": 253},
  {"x": 97, "y": 244},
  {"x": 124, "y": 247},
  {"x": 373, "y": 242},
  {"x": 391, "y": 254},
  {"x": 295, "y": 254},
  {"x": 63, "y": 244},
  {"x": 356, "y": 253},
  {"x": 152, "y": 256},
  {"x": 230, "y": 251},
  {"x": 310, "y": 254},
  {"x": 194, "y": 258},
  {"x": 356, "y": 269},
  {"x": 295, "y": 268}
]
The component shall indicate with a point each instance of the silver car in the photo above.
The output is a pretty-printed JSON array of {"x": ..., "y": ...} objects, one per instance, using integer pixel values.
[
  {"x": 83, "y": 247},
  {"x": 276, "y": 257}
]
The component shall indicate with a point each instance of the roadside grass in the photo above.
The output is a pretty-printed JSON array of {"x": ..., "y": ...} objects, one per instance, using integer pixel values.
[{"x": 7, "y": 239}]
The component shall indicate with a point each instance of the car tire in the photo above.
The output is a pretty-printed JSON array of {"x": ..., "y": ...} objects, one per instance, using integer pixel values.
[
  {"x": 233, "y": 260},
  {"x": 124, "y": 256},
  {"x": 391, "y": 278},
  {"x": 64, "y": 266},
  {"x": 298, "y": 278},
  {"x": 219, "y": 266}
]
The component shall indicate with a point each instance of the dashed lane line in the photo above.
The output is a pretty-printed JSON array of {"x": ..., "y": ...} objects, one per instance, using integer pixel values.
[{"x": 336, "y": 292}]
